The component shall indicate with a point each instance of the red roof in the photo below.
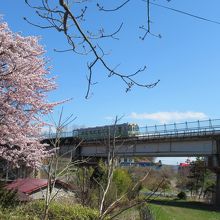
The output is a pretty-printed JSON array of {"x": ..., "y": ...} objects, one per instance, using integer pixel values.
[
  {"x": 28, "y": 185},
  {"x": 184, "y": 164}
]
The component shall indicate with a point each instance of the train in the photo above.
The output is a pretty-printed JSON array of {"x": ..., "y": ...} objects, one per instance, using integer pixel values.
[{"x": 102, "y": 132}]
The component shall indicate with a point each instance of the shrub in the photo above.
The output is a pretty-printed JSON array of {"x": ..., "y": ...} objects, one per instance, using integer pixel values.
[
  {"x": 58, "y": 211},
  {"x": 16, "y": 214},
  {"x": 181, "y": 195},
  {"x": 62, "y": 211},
  {"x": 8, "y": 198},
  {"x": 122, "y": 180}
]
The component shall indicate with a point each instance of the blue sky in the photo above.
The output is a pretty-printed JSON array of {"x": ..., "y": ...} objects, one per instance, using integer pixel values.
[{"x": 186, "y": 60}]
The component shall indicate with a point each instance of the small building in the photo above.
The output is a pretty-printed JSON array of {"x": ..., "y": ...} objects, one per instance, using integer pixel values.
[
  {"x": 126, "y": 161},
  {"x": 184, "y": 165},
  {"x": 129, "y": 161},
  {"x": 32, "y": 189}
]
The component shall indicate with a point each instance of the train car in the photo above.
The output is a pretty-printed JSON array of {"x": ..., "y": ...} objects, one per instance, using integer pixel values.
[{"x": 103, "y": 132}]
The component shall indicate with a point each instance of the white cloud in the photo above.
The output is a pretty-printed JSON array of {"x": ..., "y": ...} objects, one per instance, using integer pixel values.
[
  {"x": 109, "y": 118},
  {"x": 166, "y": 117}
]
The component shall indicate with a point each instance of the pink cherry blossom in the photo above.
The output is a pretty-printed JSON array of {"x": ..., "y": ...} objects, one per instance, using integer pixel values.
[{"x": 24, "y": 84}]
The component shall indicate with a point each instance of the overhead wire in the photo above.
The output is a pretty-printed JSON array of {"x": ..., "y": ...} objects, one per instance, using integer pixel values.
[{"x": 185, "y": 13}]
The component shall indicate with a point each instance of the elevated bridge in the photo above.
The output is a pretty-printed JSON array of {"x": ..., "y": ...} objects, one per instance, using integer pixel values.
[{"x": 198, "y": 138}]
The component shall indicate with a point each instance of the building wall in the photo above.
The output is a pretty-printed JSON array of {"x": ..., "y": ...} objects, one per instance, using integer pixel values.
[{"x": 59, "y": 192}]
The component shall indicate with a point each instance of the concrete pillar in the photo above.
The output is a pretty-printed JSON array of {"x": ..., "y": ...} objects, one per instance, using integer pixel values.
[
  {"x": 214, "y": 166},
  {"x": 217, "y": 196}
]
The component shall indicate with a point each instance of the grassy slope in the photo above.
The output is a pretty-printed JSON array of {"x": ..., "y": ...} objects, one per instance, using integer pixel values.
[{"x": 180, "y": 210}]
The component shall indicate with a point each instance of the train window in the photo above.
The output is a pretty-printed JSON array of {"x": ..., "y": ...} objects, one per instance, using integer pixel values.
[{"x": 133, "y": 127}]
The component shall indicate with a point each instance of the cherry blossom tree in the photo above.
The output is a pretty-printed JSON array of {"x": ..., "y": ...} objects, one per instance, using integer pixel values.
[{"x": 24, "y": 85}]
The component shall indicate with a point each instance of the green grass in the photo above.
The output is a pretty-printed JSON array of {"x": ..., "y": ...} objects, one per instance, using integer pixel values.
[
  {"x": 183, "y": 210},
  {"x": 161, "y": 209}
]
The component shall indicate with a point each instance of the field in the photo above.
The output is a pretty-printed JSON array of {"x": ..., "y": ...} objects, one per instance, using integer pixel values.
[{"x": 183, "y": 210}]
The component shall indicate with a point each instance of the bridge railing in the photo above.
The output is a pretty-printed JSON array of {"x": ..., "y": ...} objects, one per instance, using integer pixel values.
[{"x": 203, "y": 127}]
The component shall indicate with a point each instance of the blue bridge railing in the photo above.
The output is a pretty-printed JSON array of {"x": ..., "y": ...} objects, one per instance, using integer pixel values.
[{"x": 200, "y": 127}]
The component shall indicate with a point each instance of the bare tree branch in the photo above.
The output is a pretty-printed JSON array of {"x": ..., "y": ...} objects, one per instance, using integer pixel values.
[
  {"x": 101, "y": 8},
  {"x": 137, "y": 203},
  {"x": 63, "y": 18}
]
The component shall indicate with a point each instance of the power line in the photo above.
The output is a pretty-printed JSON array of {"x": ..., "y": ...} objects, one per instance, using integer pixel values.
[{"x": 185, "y": 13}]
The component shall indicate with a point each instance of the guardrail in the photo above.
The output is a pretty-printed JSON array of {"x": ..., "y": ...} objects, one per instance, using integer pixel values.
[
  {"x": 204, "y": 127},
  {"x": 200, "y": 127}
]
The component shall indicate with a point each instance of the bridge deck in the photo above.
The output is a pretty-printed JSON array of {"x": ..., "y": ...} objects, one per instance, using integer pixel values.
[{"x": 198, "y": 138}]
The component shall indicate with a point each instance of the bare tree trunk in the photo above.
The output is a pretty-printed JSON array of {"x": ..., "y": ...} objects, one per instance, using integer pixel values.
[
  {"x": 110, "y": 167},
  {"x": 46, "y": 212},
  {"x": 104, "y": 211},
  {"x": 53, "y": 173}
]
